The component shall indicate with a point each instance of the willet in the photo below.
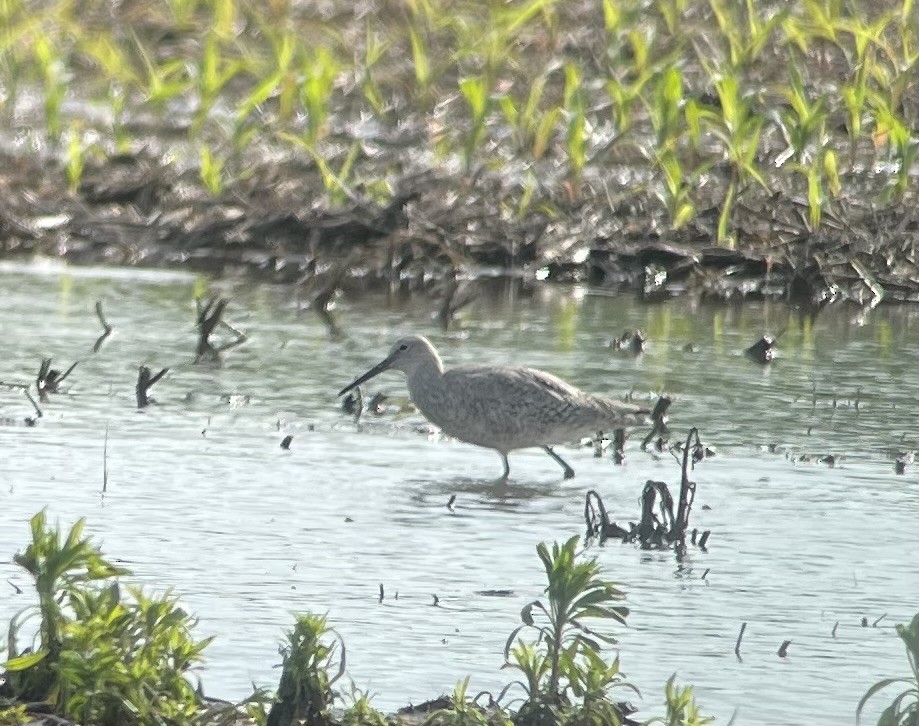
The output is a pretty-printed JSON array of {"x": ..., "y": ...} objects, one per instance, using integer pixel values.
[{"x": 501, "y": 407}]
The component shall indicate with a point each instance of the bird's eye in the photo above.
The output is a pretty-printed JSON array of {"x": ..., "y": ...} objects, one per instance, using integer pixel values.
[{"x": 403, "y": 347}]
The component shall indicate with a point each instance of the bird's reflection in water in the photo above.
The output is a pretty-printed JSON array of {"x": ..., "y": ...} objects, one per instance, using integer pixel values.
[{"x": 507, "y": 494}]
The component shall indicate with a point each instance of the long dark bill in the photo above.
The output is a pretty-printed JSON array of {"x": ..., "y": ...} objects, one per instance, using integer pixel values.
[{"x": 375, "y": 371}]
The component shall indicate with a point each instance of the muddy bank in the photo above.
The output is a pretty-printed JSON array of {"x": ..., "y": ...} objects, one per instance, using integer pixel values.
[{"x": 137, "y": 210}]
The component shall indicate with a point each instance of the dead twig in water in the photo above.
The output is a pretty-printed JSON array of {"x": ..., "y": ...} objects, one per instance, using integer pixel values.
[
  {"x": 353, "y": 404},
  {"x": 105, "y": 461},
  {"x": 145, "y": 381},
  {"x": 48, "y": 380},
  {"x": 598, "y": 523},
  {"x": 762, "y": 351},
  {"x": 783, "y": 648},
  {"x": 743, "y": 627},
  {"x": 453, "y": 302},
  {"x": 687, "y": 488},
  {"x": 619, "y": 446},
  {"x": 659, "y": 417},
  {"x": 209, "y": 317},
  {"x": 662, "y": 524},
  {"x": 322, "y": 300},
  {"x": 25, "y": 388},
  {"x": 107, "y": 329}
]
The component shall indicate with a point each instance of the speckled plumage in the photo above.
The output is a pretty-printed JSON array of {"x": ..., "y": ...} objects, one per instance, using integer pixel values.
[{"x": 501, "y": 407}]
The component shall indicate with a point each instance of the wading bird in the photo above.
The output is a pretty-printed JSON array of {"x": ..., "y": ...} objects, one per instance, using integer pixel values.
[{"x": 501, "y": 407}]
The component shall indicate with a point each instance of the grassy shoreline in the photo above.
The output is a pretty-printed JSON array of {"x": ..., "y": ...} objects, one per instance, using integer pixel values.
[{"x": 550, "y": 137}]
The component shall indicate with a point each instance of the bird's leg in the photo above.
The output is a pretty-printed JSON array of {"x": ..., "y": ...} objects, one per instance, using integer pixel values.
[
  {"x": 507, "y": 467},
  {"x": 569, "y": 472}
]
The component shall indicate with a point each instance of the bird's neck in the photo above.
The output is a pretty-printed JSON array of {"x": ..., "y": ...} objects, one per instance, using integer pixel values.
[{"x": 424, "y": 379}]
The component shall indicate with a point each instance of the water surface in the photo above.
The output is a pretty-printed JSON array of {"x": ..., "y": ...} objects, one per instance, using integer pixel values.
[{"x": 200, "y": 496}]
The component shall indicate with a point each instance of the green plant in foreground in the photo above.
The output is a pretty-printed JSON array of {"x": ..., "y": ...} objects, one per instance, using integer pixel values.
[
  {"x": 59, "y": 569},
  {"x": 125, "y": 659},
  {"x": 361, "y": 713},
  {"x": 15, "y": 715},
  {"x": 565, "y": 661},
  {"x": 102, "y": 659},
  {"x": 904, "y": 709},
  {"x": 465, "y": 712},
  {"x": 305, "y": 691},
  {"x": 681, "y": 707}
]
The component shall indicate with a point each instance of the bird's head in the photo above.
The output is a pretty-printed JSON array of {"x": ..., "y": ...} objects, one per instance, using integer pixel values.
[{"x": 407, "y": 354}]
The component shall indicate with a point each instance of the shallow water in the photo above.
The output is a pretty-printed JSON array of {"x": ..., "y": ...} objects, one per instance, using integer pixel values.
[{"x": 201, "y": 497}]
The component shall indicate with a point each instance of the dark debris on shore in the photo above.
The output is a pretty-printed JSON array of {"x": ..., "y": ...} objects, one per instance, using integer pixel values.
[{"x": 135, "y": 210}]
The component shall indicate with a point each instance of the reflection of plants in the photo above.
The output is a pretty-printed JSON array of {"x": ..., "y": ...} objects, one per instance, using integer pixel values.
[{"x": 904, "y": 709}]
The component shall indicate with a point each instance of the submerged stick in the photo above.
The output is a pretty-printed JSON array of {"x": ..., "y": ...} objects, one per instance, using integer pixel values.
[
  {"x": 743, "y": 627},
  {"x": 24, "y": 387},
  {"x": 322, "y": 300},
  {"x": 619, "y": 446},
  {"x": 659, "y": 417},
  {"x": 107, "y": 329},
  {"x": 687, "y": 488},
  {"x": 598, "y": 521},
  {"x": 209, "y": 317},
  {"x": 145, "y": 381},
  {"x": 105, "y": 461},
  {"x": 48, "y": 379},
  {"x": 452, "y": 302}
]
